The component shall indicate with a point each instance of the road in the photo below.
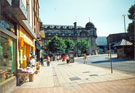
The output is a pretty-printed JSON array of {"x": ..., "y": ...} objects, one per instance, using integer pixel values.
[{"x": 125, "y": 65}]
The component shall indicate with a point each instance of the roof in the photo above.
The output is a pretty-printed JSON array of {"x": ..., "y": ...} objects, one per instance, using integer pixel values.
[
  {"x": 123, "y": 42},
  {"x": 117, "y": 34},
  {"x": 63, "y": 25}
]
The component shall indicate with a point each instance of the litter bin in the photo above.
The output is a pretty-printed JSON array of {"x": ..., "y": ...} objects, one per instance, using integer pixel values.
[{"x": 31, "y": 76}]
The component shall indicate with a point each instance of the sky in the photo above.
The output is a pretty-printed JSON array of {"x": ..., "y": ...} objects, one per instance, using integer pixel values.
[{"x": 106, "y": 15}]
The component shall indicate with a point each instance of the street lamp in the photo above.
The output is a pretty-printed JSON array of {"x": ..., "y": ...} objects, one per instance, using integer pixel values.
[
  {"x": 125, "y": 32},
  {"x": 124, "y": 23}
]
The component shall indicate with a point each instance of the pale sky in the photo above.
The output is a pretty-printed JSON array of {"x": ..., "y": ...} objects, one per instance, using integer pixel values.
[{"x": 106, "y": 15}]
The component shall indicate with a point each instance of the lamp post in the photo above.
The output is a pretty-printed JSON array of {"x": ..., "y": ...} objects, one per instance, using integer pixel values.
[
  {"x": 110, "y": 57},
  {"x": 125, "y": 32},
  {"x": 124, "y": 23}
]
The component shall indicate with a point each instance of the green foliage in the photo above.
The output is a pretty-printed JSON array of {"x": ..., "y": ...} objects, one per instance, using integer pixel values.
[
  {"x": 56, "y": 44},
  {"x": 131, "y": 25},
  {"x": 131, "y": 29},
  {"x": 69, "y": 45},
  {"x": 131, "y": 12},
  {"x": 83, "y": 45}
]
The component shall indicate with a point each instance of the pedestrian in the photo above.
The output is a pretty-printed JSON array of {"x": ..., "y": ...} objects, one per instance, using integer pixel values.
[
  {"x": 63, "y": 58},
  {"x": 32, "y": 61},
  {"x": 67, "y": 59},
  {"x": 41, "y": 60},
  {"x": 58, "y": 58},
  {"x": 85, "y": 58},
  {"x": 48, "y": 60}
]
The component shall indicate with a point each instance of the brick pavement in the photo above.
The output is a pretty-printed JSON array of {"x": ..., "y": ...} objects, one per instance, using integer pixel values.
[
  {"x": 114, "y": 86},
  {"x": 78, "y": 78}
]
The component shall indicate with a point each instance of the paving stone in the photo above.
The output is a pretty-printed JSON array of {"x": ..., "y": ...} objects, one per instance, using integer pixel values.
[
  {"x": 74, "y": 78},
  {"x": 78, "y": 78}
]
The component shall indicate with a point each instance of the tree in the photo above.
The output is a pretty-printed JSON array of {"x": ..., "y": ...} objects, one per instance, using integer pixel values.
[
  {"x": 69, "y": 45},
  {"x": 131, "y": 25},
  {"x": 83, "y": 45},
  {"x": 131, "y": 12},
  {"x": 56, "y": 45}
]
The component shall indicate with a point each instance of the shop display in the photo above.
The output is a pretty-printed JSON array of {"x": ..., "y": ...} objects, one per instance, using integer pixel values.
[{"x": 6, "y": 57}]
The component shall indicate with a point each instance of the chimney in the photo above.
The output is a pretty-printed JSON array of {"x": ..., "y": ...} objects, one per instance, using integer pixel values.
[{"x": 75, "y": 25}]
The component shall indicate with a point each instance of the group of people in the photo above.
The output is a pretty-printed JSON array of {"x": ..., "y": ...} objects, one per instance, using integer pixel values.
[
  {"x": 57, "y": 58},
  {"x": 65, "y": 58}
]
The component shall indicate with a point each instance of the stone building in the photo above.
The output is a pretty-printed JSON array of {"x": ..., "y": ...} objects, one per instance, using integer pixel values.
[{"x": 73, "y": 32}]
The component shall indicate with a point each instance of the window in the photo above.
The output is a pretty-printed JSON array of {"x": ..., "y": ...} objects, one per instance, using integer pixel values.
[
  {"x": 70, "y": 27},
  {"x": 53, "y": 32},
  {"x": 51, "y": 26},
  {"x": 57, "y": 27},
  {"x": 64, "y": 27},
  {"x": 6, "y": 57},
  {"x": 91, "y": 33},
  {"x": 83, "y": 34},
  {"x": 45, "y": 26},
  {"x": 72, "y": 33}
]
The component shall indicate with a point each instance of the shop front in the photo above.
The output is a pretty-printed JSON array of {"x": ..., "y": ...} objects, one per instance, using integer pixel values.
[
  {"x": 7, "y": 59},
  {"x": 26, "y": 48},
  {"x": 25, "y": 69}
]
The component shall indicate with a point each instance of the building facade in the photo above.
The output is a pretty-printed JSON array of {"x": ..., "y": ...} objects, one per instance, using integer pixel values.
[
  {"x": 74, "y": 33},
  {"x": 8, "y": 45},
  {"x": 19, "y": 29},
  {"x": 114, "y": 38},
  {"x": 36, "y": 27}
]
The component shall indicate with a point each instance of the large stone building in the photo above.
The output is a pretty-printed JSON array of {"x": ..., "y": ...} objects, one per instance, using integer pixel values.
[{"x": 73, "y": 32}]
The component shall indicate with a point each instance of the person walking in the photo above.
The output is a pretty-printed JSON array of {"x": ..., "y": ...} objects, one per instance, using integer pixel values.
[
  {"x": 48, "y": 60},
  {"x": 63, "y": 58},
  {"x": 84, "y": 58},
  {"x": 41, "y": 61},
  {"x": 67, "y": 58}
]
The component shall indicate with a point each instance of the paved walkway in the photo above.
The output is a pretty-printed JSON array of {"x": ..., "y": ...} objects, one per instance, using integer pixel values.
[{"x": 78, "y": 78}]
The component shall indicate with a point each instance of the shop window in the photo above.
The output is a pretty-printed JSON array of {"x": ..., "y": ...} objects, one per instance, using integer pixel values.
[{"x": 6, "y": 57}]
